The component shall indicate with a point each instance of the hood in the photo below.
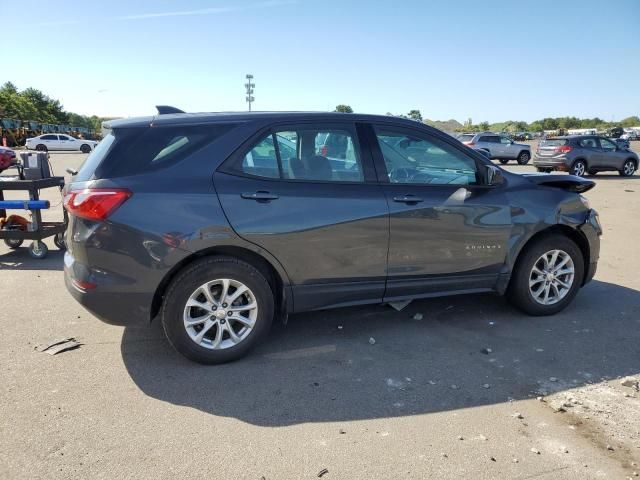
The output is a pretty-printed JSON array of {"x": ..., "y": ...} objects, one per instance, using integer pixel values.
[{"x": 569, "y": 183}]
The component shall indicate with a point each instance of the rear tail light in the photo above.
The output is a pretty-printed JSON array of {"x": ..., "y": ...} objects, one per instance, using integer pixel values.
[
  {"x": 564, "y": 149},
  {"x": 469, "y": 144},
  {"x": 95, "y": 203}
]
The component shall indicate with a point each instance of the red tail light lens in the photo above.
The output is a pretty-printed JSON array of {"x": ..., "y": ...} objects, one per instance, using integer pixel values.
[
  {"x": 95, "y": 203},
  {"x": 564, "y": 149},
  {"x": 469, "y": 144}
]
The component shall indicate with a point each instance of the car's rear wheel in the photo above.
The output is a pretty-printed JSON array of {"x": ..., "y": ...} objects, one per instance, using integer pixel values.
[
  {"x": 504, "y": 161},
  {"x": 524, "y": 158},
  {"x": 84, "y": 148},
  {"x": 547, "y": 275},
  {"x": 41, "y": 148},
  {"x": 217, "y": 309},
  {"x": 579, "y": 168},
  {"x": 628, "y": 169}
]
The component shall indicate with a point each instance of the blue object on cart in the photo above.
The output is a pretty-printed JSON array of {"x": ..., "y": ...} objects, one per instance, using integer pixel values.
[{"x": 24, "y": 204}]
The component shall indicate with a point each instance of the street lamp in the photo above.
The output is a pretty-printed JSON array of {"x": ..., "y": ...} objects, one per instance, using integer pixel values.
[{"x": 249, "y": 86}]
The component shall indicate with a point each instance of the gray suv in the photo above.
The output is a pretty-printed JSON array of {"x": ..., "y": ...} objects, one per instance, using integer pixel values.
[
  {"x": 582, "y": 154},
  {"x": 217, "y": 224},
  {"x": 499, "y": 147}
]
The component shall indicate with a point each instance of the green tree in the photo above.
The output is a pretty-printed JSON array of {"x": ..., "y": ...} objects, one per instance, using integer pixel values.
[
  {"x": 484, "y": 126},
  {"x": 343, "y": 109},
  {"x": 415, "y": 115}
]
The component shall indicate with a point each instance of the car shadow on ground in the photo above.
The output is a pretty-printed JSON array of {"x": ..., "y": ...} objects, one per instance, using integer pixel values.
[
  {"x": 323, "y": 367},
  {"x": 20, "y": 259}
]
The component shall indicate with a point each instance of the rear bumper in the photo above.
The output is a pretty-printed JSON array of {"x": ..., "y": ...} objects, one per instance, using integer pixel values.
[
  {"x": 104, "y": 296},
  {"x": 555, "y": 163},
  {"x": 592, "y": 230}
]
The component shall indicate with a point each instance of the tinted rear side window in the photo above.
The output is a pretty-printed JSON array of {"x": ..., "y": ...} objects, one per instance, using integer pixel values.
[{"x": 138, "y": 150}]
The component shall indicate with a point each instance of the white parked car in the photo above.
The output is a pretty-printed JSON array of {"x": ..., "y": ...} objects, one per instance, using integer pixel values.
[{"x": 59, "y": 141}]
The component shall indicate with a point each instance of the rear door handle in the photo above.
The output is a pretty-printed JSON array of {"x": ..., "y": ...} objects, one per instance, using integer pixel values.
[
  {"x": 260, "y": 196},
  {"x": 407, "y": 199}
]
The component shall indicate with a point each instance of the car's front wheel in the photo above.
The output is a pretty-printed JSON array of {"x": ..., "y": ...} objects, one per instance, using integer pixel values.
[
  {"x": 524, "y": 158},
  {"x": 628, "y": 169},
  {"x": 547, "y": 275},
  {"x": 41, "y": 148},
  {"x": 579, "y": 168},
  {"x": 217, "y": 309},
  {"x": 84, "y": 148}
]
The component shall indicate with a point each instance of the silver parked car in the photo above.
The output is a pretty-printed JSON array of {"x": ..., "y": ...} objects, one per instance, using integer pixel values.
[
  {"x": 582, "y": 154},
  {"x": 499, "y": 147}
]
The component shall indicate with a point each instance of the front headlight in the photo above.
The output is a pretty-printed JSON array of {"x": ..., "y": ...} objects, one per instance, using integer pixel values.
[{"x": 585, "y": 202}]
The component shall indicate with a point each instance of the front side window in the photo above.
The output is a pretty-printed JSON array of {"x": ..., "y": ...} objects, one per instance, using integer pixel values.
[
  {"x": 505, "y": 141},
  {"x": 306, "y": 153},
  {"x": 608, "y": 145},
  {"x": 49, "y": 137},
  {"x": 416, "y": 159}
]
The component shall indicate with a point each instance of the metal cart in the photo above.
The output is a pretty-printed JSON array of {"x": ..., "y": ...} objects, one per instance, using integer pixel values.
[{"x": 38, "y": 229}]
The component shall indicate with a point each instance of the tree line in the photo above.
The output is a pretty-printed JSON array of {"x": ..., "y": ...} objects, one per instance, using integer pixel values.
[
  {"x": 33, "y": 105},
  {"x": 511, "y": 126}
]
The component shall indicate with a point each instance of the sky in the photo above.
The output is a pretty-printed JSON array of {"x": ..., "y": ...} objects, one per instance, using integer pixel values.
[{"x": 485, "y": 60}]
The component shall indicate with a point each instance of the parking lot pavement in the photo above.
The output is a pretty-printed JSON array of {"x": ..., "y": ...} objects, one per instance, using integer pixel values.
[{"x": 423, "y": 401}]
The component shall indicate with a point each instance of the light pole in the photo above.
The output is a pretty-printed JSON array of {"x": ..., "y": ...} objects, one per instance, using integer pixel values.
[{"x": 249, "y": 86}]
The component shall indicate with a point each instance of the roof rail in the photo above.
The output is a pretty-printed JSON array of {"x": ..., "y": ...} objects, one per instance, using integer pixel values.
[{"x": 166, "y": 109}]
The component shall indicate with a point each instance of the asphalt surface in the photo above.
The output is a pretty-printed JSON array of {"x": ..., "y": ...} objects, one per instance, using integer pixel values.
[{"x": 422, "y": 402}]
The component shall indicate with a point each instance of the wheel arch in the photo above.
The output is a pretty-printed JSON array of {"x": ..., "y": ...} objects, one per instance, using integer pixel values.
[
  {"x": 276, "y": 279},
  {"x": 634, "y": 160},
  {"x": 573, "y": 234}
]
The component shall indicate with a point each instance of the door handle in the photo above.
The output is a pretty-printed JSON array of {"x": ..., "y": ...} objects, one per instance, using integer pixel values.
[
  {"x": 260, "y": 196},
  {"x": 407, "y": 199}
]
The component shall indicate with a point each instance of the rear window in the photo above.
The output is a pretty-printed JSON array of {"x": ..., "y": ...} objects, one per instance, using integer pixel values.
[
  {"x": 466, "y": 138},
  {"x": 554, "y": 142},
  {"x": 130, "y": 151}
]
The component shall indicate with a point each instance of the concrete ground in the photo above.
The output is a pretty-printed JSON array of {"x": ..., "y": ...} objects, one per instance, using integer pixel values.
[{"x": 422, "y": 402}]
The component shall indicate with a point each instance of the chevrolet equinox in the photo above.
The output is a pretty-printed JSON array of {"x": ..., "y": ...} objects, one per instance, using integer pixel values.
[{"x": 218, "y": 223}]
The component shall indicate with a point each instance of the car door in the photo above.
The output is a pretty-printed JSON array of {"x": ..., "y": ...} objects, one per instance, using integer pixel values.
[
  {"x": 591, "y": 151},
  {"x": 507, "y": 149},
  {"x": 448, "y": 230},
  {"x": 610, "y": 155},
  {"x": 64, "y": 143},
  {"x": 325, "y": 219},
  {"x": 50, "y": 141}
]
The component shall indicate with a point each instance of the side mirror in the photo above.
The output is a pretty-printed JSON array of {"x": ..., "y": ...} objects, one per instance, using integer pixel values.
[{"x": 494, "y": 175}]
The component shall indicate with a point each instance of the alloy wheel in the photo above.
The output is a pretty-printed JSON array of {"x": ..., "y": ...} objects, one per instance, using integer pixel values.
[
  {"x": 220, "y": 314},
  {"x": 629, "y": 169},
  {"x": 579, "y": 169},
  {"x": 551, "y": 277}
]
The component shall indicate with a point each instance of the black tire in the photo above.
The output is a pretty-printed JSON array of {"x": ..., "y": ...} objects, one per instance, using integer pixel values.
[
  {"x": 544, "y": 170},
  {"x": 579, "y": 168},
  {"x": 38, "y": 249},
  {"x": 13, "y": 243},
  {"x": 59, "y": 242},
  {"x": 199, "y": 273},
  {"x": 503, "y": 161},
  {"x": 628, "y": 168},
  {"x": 84, "y": 148},
  {"x": 523, "y": 158},
  {"x": 519, "y": 293},
  {"x": 41, "y": 148}
]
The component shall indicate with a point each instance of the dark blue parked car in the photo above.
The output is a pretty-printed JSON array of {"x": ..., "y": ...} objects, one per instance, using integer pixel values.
[{"x": 219, "y": 223}]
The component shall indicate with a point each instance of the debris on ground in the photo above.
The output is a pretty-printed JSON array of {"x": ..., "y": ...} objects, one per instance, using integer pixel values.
[
  {"x": 486, "y": 385},
  {"x": 59, "y": 346},
  {"x": 454, "y": 387},
  {"x": 486, "y": 351},
  {"x": 460, "y": 437},
  {"x": 630, "y": 382},
  {"x": 517, "y": 415},
  {"x": 535, "y": 450},
  {"x": 372, "y": 341},
  {"x": 322, "y": 472},
  {"x": 553, "y": 379},
  {"x": 339, "y": 327},
  {"x": 431, "y": 382},
  {"x": 342, "y": 431},
  {"x": 493, "y": 459},
  {"x": 398, "y": 306},
  {"x": 418, "y": 316},
  {"x": 610, "y": 448}
]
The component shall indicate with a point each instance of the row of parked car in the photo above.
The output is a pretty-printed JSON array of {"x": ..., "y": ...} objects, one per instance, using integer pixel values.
[{"x": 576, "y": 154}]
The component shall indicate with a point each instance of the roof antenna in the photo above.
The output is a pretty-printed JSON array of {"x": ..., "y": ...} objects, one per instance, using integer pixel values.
[{"x": 166, "y": 109}]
